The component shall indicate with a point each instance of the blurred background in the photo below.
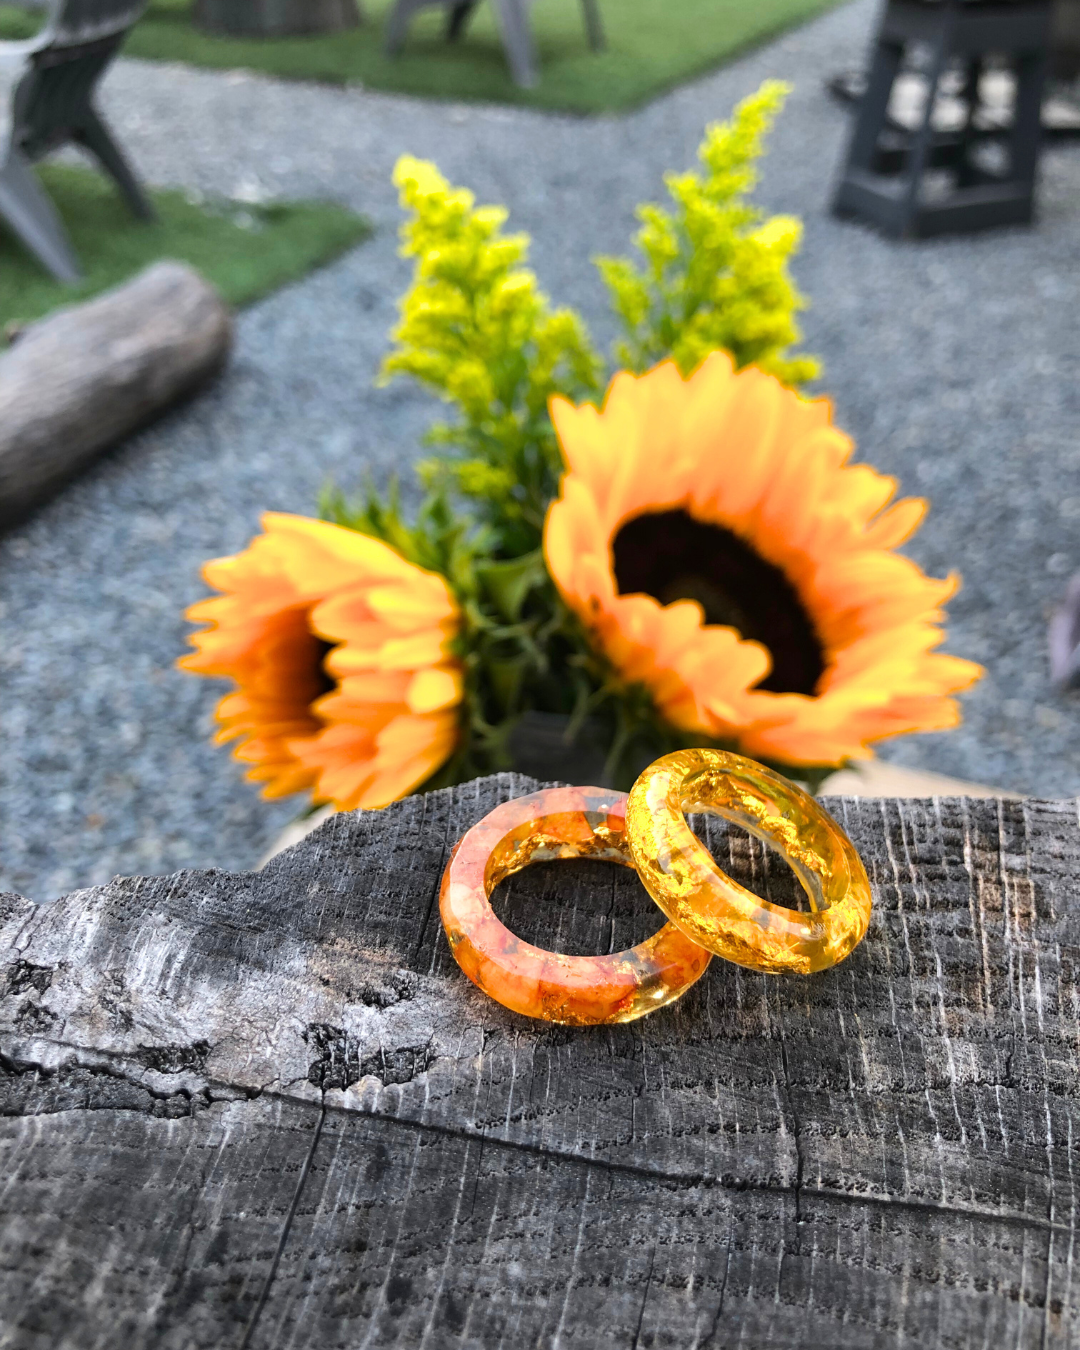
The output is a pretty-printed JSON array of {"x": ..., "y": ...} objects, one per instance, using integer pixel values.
[{"x": 953, "y": 361}]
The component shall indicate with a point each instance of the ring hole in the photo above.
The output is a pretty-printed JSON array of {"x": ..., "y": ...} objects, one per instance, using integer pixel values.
[
  {"x": 754, "y": 864},
  {"x": 579, "y": 907}
]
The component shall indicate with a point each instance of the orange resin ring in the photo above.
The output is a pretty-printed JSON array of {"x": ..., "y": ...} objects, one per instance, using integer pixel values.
[
  {"x": 716, "y": 911},
  {"x": 571, "y": 822}
]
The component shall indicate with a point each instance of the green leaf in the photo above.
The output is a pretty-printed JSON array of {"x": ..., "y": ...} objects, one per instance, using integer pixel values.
[
  {"x": 507, "y": 584},
  {"x": 505, "y": 678}
]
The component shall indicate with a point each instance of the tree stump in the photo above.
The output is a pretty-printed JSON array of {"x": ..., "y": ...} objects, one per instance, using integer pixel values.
[
  {"x": 268, "y": 1109},
  {"x": 79, "y": 380},
  {"x": 274, "y": 18}
]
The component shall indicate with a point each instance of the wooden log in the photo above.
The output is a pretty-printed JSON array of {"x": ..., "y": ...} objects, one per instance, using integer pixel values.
[
  {"x": 75, "y": 383},
  {"x": 274, "y": 18},
  {"x": 268, "y": 1109}
]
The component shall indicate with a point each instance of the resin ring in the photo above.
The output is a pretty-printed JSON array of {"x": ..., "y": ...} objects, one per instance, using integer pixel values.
[
  {"x": 716, "y": 911},
  {"x": 571, "y": 822}
]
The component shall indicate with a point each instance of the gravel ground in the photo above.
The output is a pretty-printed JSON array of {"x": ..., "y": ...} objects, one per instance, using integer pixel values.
[{"x": 954, "y": 364}]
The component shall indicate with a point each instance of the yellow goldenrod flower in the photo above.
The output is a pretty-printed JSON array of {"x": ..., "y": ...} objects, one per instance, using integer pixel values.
[
  {"x": 341, "y": 651},
  {"x": 715, "y": 274},
  {"x": 719, "y": 550}
]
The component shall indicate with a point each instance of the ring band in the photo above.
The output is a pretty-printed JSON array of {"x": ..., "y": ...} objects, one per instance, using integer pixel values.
[
  {"x": 578, "y": 990},
  {"x": 716, "y": 911}
]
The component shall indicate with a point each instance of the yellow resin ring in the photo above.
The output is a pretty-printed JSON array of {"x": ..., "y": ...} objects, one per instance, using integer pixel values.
[
  {"x": 570, "y": 822},
  {"x": 716, "y": 911}
]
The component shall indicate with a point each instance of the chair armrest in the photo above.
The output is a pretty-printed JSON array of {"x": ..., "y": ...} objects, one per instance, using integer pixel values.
[
  {"x": 11, "y": 52},
  {"x": 18, "y": 50}
]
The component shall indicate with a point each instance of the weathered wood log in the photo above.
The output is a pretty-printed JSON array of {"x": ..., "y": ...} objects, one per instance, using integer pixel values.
[
  {"x": 75, "y": 383},
  {"x": 268, "y": 1109},
  {"x": 274, "y": 18}
]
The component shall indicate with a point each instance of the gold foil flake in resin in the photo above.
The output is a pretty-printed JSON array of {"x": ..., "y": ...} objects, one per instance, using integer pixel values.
[{"x": 710, "y": 907}]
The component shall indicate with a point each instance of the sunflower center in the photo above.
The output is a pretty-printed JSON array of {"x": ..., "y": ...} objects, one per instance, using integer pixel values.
[
  {"x": 324, "y": 679},
  {"x": 671, "y": 556}
]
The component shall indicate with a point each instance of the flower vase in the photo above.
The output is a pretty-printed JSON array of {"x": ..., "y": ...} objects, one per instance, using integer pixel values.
[{"x": 540, "y": 746}]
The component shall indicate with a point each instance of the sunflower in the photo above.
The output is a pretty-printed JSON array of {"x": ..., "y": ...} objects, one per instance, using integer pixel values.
[
  {"x": 720, "y": 551},
  {"x": 341, "y": 651}
]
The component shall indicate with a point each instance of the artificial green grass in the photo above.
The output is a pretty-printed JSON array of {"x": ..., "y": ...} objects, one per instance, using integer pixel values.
[
  {"x": 651, "y": 45},
  {"x": 245, "y": 251}
]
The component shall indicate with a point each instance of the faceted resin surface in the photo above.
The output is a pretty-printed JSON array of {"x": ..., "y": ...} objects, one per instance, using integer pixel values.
[
  {"x": 579, "y": 990},
  {"x": 717, "y": 912}
]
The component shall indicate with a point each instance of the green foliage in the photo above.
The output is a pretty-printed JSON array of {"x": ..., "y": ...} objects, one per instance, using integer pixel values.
[
  {"x": 517, "y": 637},
  {"x": 475, "y": 329},
  {"x": 438, "y": 539},
  {"x": 715, "y": 269}
]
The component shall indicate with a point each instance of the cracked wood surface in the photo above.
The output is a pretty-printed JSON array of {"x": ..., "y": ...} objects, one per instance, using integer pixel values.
[{"x": 267, "y": 1110}]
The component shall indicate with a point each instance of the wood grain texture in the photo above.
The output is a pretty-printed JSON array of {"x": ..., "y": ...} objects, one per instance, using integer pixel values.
[
  {"x": 267, "y": 1110},
  {"x": 78, "y": 381}
]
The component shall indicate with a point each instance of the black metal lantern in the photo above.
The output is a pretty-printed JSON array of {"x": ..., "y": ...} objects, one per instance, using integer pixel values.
[{"x": 925, "y": 174}]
